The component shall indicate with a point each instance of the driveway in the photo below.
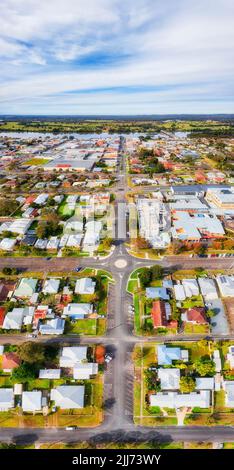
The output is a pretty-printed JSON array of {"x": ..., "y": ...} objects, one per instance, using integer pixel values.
[{"x": 219, "y": 322}]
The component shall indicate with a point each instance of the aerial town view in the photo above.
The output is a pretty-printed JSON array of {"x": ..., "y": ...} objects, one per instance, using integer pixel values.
[{"x": 116, "y": 232}]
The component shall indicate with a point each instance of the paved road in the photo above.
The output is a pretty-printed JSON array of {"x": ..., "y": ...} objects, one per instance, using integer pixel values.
[{"x": 118, "y": 390}]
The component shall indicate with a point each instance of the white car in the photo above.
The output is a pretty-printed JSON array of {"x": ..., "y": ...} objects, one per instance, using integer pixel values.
[{"x": 108, "y": 358}]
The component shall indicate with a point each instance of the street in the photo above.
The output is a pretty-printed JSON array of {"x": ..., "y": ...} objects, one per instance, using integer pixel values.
[{"x": 118, "y": 425}]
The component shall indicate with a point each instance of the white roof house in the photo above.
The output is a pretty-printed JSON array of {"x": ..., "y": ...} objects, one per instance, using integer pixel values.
[
  {"x": 53, "y": 327},
  {"x": 41, "y": 243},
  {"x": 53, "y": 243},
  {"x": 26, "y": 287},
  {"x": 179, "y": 292},
  {"x": 190, "y": 287},
  {"x": 73, "y": 355},
  {"x": 205, "y": 383},
  {"x": 7, "y": 244},
  {"x": 208, "y": 288},
  {"x": 51, "y": 286},
  {"x": 226, "y": 285},
  {"x": 19, "y": 226},
  {"x": 41, "y": 199},
  {"x": 32, "y": 401},
  {"x": 166, "y": 355},
  {"x": 6, "y": 399},
  {"x": 74, "y": 225},
  {"x": 85, "y": 370},
  {"x": 199, "y": 399},
  {"x": 230, "y": 356},
  {"x": 14, "y": 320},
  {"x": 154, "y": 222},
  {"x": 229, "y": 393},
  {"x": 217, "y": 360},
  {"x": 85, "y": 286},
  {"x": 169, "y": 378},
  {"x": 50, "y": 374},
  {"x": 157, "y": 292},
  {"x": 74, "y": 240},
  {"x": 68, "y": 396},
  {"x": 78, "y": 311}
]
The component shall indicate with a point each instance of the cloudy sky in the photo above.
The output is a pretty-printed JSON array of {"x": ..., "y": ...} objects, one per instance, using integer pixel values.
[{"x": 116, "y": 56}]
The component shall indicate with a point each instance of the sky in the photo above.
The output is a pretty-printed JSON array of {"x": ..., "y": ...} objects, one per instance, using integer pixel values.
[{"x": 96, "y": 57}]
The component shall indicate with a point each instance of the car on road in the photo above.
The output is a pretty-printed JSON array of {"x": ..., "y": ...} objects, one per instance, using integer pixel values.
[
  {"x": 48, "y": 258},
  {"x": 108, "y": 357},
  {"x": 71, "y": 428}
]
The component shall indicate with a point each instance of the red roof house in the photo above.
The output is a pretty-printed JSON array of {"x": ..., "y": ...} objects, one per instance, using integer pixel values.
[
  {"x": 159, "y": 317},
  {"x": 2, "y": 315},
  {"x": 10, "y": 360},
  {"x": 195, "y": 315}
]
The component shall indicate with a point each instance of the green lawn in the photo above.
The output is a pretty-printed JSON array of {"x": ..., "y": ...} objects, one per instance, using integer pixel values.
[
  {"x": 37, "y": 161},
  {"x": 83, "y": 327}
]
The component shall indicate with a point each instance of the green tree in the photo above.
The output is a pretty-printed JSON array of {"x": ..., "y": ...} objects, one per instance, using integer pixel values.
[
  {"x": 156, "y": 272},
  {"x": 145, "y": 277},
  {"x": 24, "y": 373},
  {"x": 187, "y": 384},
  {"x": 31, "y": 352},
  {"x": 205, "y": 366}
]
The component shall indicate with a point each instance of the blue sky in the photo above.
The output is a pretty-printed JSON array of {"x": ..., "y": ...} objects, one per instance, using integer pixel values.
[{"x": 116, "y": 57}]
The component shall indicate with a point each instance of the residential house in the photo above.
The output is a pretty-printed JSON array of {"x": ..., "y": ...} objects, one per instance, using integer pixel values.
[
  {"x": 85, "y": 286},
  {"x": 169, "y": 378},
  {"x": 53, "y": 327},
  {"x": 226, "y": 285},
  {"x": 72, "y": 355},
  {"x": 179, "y": 292},
  {"x": 10, "y": 360},
  {"x": 78, "y": 311},
  {"x": 208, "y": 288},
  {"x": 7, "y": 244},
  {"x": 195, "y": 315},
  {"x": 166, "y": 355},
  {"x": 15, "y": 319},
  {"x": 228, "y": 386},
  {"x": 205, "y": 383},
  {"x": 161, "y": 313},
  {"x": 6, "y": 399},
  {"x": 230, "y": 356},
  {"x": 84, "y": 371},
  {"x": 200, "y": 399},
  {"x": 26, "y": 287},
  {"x": 32, "y": 401},
  {"x": 68, "y": 396},
  {"x": 191, "y": 287},
  {"x": 157, "y": 293},
  {"x": 51, "y": 374},
  {"x": 51, "y": 286}
]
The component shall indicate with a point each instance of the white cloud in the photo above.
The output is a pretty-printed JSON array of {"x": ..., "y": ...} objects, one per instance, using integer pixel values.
[{"x": 79, "y": 45}]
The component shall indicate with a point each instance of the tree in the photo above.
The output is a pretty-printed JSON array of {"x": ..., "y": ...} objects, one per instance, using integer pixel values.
[
  {"x": 8, "y": 271},
  {"x": 24, "y": 373},
  {"x": 31, "y": 352},
  {"x": 210, "y": 313},
  {"x": 152, "y": 380},
  {"x": 187, "y": 384},
  {"x": 145, "y": 277},
  {"x": 156, "y": 272},
  {"x": 205, "y": 366}
]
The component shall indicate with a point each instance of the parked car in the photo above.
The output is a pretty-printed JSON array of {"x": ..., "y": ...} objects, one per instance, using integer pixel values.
[
  {"x": 71, "y": 428},
  {"x": 108, "y": 357},
  {"x": 77, "y": 270}
]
